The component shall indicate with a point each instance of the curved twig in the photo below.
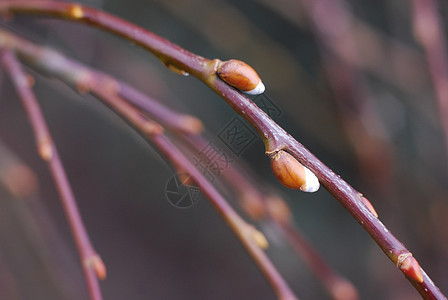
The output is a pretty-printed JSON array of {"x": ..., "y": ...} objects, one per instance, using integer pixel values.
[{"x": 275, "y": 137}]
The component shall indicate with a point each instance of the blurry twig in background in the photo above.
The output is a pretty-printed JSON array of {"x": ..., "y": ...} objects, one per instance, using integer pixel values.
[
  {"x": 35, "y": 229},
  {"x": 15, "y": 176},
  {"x": 333, "y": 26},
  {"x": 428, "y": 31},
  {"x": 275, "y": 138},
  {"x": 90, "y": 260},
  {"x": 8, "y": 282}
]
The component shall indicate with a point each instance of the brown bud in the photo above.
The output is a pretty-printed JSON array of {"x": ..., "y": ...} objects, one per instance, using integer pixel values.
[
  {"x": 410, "y": 267},
  {"x": 241, "y": 76},
  {"x": 293, "y": 174}
]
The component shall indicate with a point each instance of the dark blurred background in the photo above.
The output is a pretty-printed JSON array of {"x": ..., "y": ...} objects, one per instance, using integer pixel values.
[{"x": 352, "y": 84}]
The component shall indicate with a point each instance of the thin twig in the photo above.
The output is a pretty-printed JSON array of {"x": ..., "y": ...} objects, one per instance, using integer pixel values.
[
  {"x": 361, "y": 122},
  {"x": 275, "y": 137},
  {"x": 90, "y": 260}
]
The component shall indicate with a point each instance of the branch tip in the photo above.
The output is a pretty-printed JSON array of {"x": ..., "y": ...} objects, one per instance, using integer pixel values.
[
  {"x": 175, "y": 69},
  {"x": 278, "y": 209}
]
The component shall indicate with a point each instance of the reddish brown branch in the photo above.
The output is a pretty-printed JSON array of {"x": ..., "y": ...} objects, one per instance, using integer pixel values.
[
  {"x": 90, "y": 260},
  {"x": 275, "y": 137},
  {"x": 333, "y": 26}
]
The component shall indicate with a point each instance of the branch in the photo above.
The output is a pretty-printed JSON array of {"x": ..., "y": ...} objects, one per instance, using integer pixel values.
[
  {"x": 90, "y": 260},
  {"x": 275, "y": 137},
  {"x": 107, "y": 90},
  {"x": 262, "y": 205}
]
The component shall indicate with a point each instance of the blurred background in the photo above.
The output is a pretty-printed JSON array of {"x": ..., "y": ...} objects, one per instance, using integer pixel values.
[{"x": 352, "y": 83}]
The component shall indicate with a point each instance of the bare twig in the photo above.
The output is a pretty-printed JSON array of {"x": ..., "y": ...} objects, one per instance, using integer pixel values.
[{"x": 90, "y": 260}]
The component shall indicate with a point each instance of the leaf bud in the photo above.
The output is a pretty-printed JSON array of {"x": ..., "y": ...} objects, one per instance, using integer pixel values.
[
  {"x": 293, "y": 174},
  {"x": 241, "y": 76}
]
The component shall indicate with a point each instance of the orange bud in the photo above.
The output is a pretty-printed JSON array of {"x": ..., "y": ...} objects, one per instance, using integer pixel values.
[
  {"x": 410, "y": 266},
  {"x": 369, "y": 206},
  {"x": 96, "y": 263},
  {"x": 293, "y": 174},
  {"x": 241, "y": 76}
]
